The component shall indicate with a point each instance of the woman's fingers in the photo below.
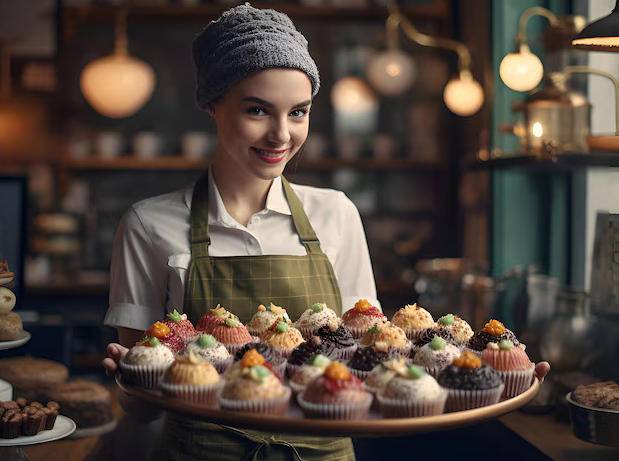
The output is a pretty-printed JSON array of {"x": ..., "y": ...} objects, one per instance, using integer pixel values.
[
  {"x": 114, "y": 351},
  {"x": 541, "y": 370}
]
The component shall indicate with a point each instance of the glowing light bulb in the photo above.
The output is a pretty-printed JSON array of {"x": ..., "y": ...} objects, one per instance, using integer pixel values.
[
  {"x": 537, "y": 130},
  {"x": 521, "y": 71},
  {"x": 391, "y": 72},
  {"x": 351, "y": 95},
  {"x": 463, "y": 96}
]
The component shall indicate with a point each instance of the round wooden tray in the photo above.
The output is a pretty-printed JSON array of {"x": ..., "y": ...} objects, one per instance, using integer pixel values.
[{"x": 374, "y": 426}]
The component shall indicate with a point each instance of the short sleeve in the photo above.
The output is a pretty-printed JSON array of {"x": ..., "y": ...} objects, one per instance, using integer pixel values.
[
  {"x": 352, "y": 266},
  {"x": 137, "y": 277}
]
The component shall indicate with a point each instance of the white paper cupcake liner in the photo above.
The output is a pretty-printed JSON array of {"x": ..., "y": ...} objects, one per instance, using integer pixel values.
[
  {"x": 306, "y": 332},
  {"x": 516, "y": 382},
  {"x": 357, "y": 333},
  {"x": 234, "y": 347},
  {"x": 347, "y": 411},
  {"x": 413, "y": 335},
  {"x": 291, "y": 369},
  {"x": 273, "y": 407},
  {"x": 345, "y": 354},
  {"x": 434, "y": 371},
  {"x": 374, "y": 391},
  {"x": 285, "y": 353},
  {"x": 145, "y": 376},
  {"x": 280, "y": 368},
  {"x": 222, "y": 365},
  {"x": 404, "y": 408},
  {"x": 402, "y": 352},
  {"x": 199, "y": 395},
  {"x": 477, "y": 353},
  {"x": 297, "y": 388},
  {"x": 362, "y": 375},
  {"x": 460, "y": 399}
]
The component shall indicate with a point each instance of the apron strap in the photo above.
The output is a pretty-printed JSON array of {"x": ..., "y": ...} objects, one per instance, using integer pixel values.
[
  {"x": 261, "y": 443},
  {"x": 301, "y": 222},
  {"x": 200, "y": 239}
]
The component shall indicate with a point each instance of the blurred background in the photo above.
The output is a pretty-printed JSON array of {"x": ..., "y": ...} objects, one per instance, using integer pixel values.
[{"x": 488, "y": 187}]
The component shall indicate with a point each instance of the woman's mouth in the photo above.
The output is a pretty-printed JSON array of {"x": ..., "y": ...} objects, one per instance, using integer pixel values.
[{"x": 270, "y": 156}]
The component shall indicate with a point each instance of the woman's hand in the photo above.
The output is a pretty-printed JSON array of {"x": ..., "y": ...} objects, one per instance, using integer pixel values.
[
  {"x": 541, "y": 370},
  {"x": 114, "y": 353}
]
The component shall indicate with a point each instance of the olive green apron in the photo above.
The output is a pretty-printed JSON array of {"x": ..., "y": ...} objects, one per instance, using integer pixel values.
[{"x": 240, "y": 284}]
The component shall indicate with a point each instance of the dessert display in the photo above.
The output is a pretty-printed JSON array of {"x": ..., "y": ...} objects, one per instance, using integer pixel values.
[
  {"x": 146, "y": 362},
  {"x": 388, "y": 338},
  {"x": 436, "y": 356},
  {"x": 213, "y": 318},
  {"x": 459, "y": 328},
  {"x": 271, "y": 356},
  {"x": 265, "y": 317},
  {"x": 19, "y": 418},
  {"x": 232, "y": 334},
  {"x": 180, "y": 326},
  {"x": 512, "y": 363},
  {"x": 283, "y": 338},
  {"x": 310, "y": 370},
  {"x": 361, "y": 317},
  {"x": 88, "y": 404},
  {"x": 312, "y": 319},
  {"x": 192, "y": 379},
  {"x": 470, "y": 383},
  {"x": 604, "y": 394},
  {"x": 207, "y": 348},
  {"x": 494, "y": 331},
  {"x": 414, "y": 320},
  {"x": 343, "y": 342}
]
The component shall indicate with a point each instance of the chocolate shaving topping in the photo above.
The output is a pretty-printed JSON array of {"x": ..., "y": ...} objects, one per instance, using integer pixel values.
[
  {"x": 428, "y": 335},
  {"x": 314, "y": 346},
  {"x": 366, "y": 358},
  {"x": 480, "y": 339},
  {"x": 341, "y": 337},
  {"x": 482, "y": 378},
  {"x": 270, "y": 355}
]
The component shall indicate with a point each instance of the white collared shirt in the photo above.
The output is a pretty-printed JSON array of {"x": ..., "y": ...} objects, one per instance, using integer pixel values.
[{"x": 151, "y": 253}]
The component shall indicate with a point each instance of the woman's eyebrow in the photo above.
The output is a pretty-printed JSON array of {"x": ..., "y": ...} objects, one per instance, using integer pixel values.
[{"x": 270, "y": 105}]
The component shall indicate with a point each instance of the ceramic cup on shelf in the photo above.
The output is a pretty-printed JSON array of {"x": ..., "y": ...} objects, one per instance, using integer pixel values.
[
  {"x": 147, "y": 144},
  {"x": 197, "y": 145},
  {"x": 109, "y": 144}
]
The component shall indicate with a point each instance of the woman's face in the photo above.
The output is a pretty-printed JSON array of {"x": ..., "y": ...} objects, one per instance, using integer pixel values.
[{"x": 263, "y": 121}]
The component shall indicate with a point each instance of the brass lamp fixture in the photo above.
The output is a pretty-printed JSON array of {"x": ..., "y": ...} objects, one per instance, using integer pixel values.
[{"x": 600, "y": 35}]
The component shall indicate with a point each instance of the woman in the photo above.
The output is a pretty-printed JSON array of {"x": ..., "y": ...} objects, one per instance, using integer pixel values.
[{"x": 177, "y": 251}]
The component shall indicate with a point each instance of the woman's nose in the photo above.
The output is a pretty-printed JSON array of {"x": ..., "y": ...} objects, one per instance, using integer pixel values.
[{"x": 279, "y": 133}]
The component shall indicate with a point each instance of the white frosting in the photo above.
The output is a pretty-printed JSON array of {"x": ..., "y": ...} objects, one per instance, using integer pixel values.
[
  {"x": 311, "y": 319},
  {"x": 428, "y": 357},
  {"x": 209, "y": 354},
  {"x": 146, "y": 355},
  {"x": 261, "y": 321},
  {"x": 425, "y": 387}
]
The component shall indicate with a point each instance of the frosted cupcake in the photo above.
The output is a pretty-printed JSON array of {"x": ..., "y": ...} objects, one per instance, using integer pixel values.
[
  {"x": 364, "y": 360},
  {"x": 255, "y": 388},
  {"x": 168, "y": 338},
  {"x": 470, "y": 383},
  {"x": 458, "y": 327},
  {"x": 207, "y": 348},
  {"x": 213, "y": 318},
  {"x": 336, "y": 394},
  {"x": 265, "y": 317},
  {"x": 512, "y": 363},
  {"x": 303, "y": 352},
  {"x": 312, "y": 319},
  {"x": 310, "y": 370},
  {"x": 493, "y": 332},
  {"x": 145, "y": 363},
  {"x": 283, "y": 338},
  {"x": 232, "y": 334},
  {"x": 436, "y": 356},
  {"x": 180, "y": 326},
  {"x": 382, "y": 373},
  {"x": 388, "y": 338},
  {"x": 414, "y": 320},
  {"x": 192, "y": 379},
  {"x": 341, "y": 338},
  {"x": 271, "y": 356},
  {"x": 362, "y": 317}
]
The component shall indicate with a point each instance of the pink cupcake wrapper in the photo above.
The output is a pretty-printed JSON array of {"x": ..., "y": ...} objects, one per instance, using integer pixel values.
[
  {"x": 237, "y": 335},
  {"x": 516, "y": 382},
  {"x": 505, "y": 361},
  {"x": 200, "y": 395},
  {"x": 145, "y": 376},
  {"x": 274, "y": 407},
  {"x": 403, "y": 408},
  {"x": 209, "y": 325},
  {"x": 339, "y": 411},
  {"x": 460, "y": 399}
]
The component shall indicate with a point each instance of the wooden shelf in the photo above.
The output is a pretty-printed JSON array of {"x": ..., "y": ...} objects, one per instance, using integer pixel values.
[{"x": 561, "y": 162}]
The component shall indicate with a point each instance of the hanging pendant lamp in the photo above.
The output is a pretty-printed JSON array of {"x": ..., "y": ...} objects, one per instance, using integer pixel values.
[{"x": 600, "y": 35}]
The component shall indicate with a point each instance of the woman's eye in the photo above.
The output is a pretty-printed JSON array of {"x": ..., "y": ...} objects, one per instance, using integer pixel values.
[
  {"x": 255, "y": 111},
  {"x": 299, "y": 112}
]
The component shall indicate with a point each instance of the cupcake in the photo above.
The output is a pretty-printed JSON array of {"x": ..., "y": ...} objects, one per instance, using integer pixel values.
[
  {"x": 11, "y": 425},
  {"x": 512, "y": 363},
  {"x": 344, "y": 344},
  {"x": 180, "y": 326},
  {"x": 411, "y": 394},
  {"x": 414, "y": 320},
  {"x": 364, "y": 360},
  {"x": 265, "y": 317},
  {"x": 211, "y": 319},
  {"x": 207, "y": 348},
  {"x": 336, "y": 394},
  {"x": 428, "y": 335},
  {"x": 144, "y": 364},
  {"x": 283, "y": 338},
  {"x": 382, "y": 373},
  {"x": 458, "y": 327},
  {"x": 387, "y": 337},
  {"x": 312, "y": 319},
  {"x": 362, "y": 317},
  {"x": 436, "y": 356},
  {"x": 254, "y": 388},
  {"x": 232, "y": 334},
  {"x": 310, "y": 370},
  {"x": 303, "y": 352},
  {"x": 163, "y": 333},
  {"x": 271, "y": 356},
  {"x": 493, "y": 332},
  {"x": 470, "y": 383},
  {"x": 192, "y": 379}
]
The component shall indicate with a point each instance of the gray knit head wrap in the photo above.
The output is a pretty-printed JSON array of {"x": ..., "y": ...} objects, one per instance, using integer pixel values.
[{"x": 243, "y": 41}]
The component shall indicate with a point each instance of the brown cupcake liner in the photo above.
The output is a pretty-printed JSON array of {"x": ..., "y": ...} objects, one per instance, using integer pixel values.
[
  {"x": 201, "y": 395},
  {"x": 51, "y": 420},
  {"x": 460, "y": 399},
  {"x": 413, "y": 335},
  {"x": 284, "y": 353},
  {"x": 336, "y": 411},
  {"x": 307, "y": 332},
  {"x": 280, "y": 368},
  {"x": 11, "y": 429},
  {"x": 233, "y": 348},
  {"x": 346, "y": 353},
  {"x": 404, "y": 408},
  {"x": 273, "y": 407},
  {"x": 434, "y": 371},
  {"x": 222, "y": 365},
  {"x": 291, "y": 369},
  {"x": 516, "y": 382},
  {"x": 145, "y": 376}
]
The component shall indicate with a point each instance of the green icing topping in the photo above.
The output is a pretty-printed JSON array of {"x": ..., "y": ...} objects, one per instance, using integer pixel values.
[
  {"x": 318, "y": 307},
  {"x": 505, "y": 344},
  {"x": 447, "y": 319},
  {"x": 282, "y": 327},
  {"x": 175, "y": 316},
  {"x": 150, "y": 341},
  {"x": 207, "y": 342},
  {"x": 232, "y": 322},
  {"x": 318, "y": 360},
  {"x": 416, "y": 372},
  {"x": 260, "y": 372},
  {"x": 218, "y": 311},
  {"x": 437, "y": 344},
  {"x": 374, "y": 329}
]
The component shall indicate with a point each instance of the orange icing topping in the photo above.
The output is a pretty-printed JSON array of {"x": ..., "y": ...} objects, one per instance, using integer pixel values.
[
  {"x": 251, "y": 358},
  {"x": 159, "y": 330},
  {"x": 337, "y": 371},
  {"x": 467, "y": 360},
  {"x": 363, "y": 305},
  {"x": 494, "y": 328}
]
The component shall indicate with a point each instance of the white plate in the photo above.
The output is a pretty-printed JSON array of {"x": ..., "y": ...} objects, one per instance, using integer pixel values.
[
  {"x": 22, "y": 338},
  {"x": 5, "y": 280},
  {"x": 63, "y": 427}
]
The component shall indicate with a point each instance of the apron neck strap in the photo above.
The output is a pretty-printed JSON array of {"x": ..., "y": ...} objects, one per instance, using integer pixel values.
[
  {"x": 200, "y": 239},
  {"x": 301, "y": 223}
]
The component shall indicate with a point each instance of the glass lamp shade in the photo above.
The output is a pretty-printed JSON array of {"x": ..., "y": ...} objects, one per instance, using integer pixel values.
[
  {"x": 600, "y": 35},
  {"x": 521, "y": 71},
  {"x": 391, "y": 72},
  {"x": 352, "y": 95},
  {"x": 463, "y": 96},
  {"x": 117, "y": 85}
]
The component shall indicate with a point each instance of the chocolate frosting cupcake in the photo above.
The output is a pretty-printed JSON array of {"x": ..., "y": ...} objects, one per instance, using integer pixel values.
[
  {"x": 481, "y": 378},
  {"x": 428, "y": 335},
  {"x": 480, "y": 339},
  {"x": 366, "y": 358},
  {"x": 266, "y": 351},
  {"x": 340, "y": 337},
  {"x": 315, "y": 345}
]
